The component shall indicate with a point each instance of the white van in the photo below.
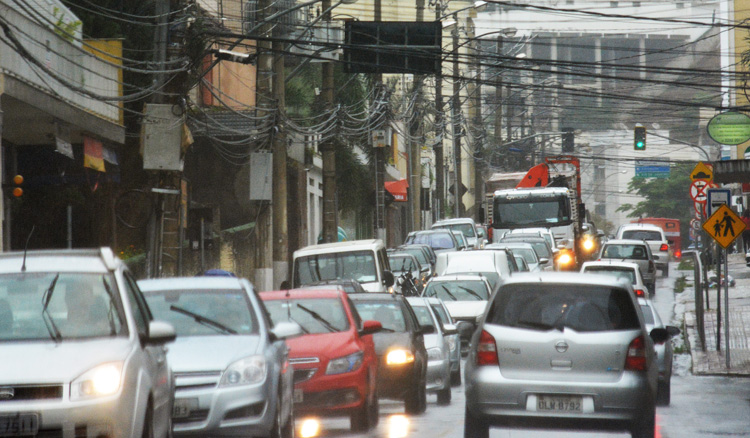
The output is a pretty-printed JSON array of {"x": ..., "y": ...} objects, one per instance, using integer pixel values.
[{"x": 362, "y": 260}]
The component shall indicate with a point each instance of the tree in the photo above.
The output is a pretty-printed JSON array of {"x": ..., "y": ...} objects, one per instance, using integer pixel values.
[{"x": 664, "y": 197}]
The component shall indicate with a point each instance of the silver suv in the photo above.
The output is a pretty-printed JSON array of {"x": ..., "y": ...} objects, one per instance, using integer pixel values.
[
  {"x": 656, "y": 239},
  {"x": 635, "y": 251},
  {"x": 82, "y": 355},
  {"x": 562, "y": 350}
]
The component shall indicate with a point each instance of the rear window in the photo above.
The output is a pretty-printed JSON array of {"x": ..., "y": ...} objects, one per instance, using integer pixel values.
[
  {"x": 626, "y": 273},
  {"x": 437, "y": 241},
  {"x": 641, "y": 235},
  {"x": 583, "y": 308},
  {"x": 635, "y": 252}
]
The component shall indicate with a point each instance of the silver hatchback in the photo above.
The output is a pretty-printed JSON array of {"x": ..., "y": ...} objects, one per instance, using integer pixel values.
[
  {"x": 562, "y": 351},
  {"x": 81, "y": 355},
  {"x": 232, "y": 376}
]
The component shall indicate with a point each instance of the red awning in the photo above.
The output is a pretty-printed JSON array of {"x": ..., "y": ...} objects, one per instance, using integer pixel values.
[{"x": 397, "y": 189}]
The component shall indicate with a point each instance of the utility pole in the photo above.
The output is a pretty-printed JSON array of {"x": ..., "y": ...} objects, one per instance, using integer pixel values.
[
  {"x": 439, "y": 198},
  {"x": 379, "y": 157},
  {"x": 499, "y": 104},
  {"x": 280, "y": 222},
  {"x": 330, "y": 215},
  {"x": 415, "y": 151},
  {"x": 478, "y": 139},
  {"x": 458, "y": 210}
]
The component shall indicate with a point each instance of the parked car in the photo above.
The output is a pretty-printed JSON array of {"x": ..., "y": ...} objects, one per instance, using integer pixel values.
[
  {"x": 465, "y": 225},
  {"x": 80, "y": 348},
  {"x": 563, "y": 350},
  {"x": 438, "y": 350},
  {"x": 656, "y": 239},
  {"x": 636, "y": 251},
  {"x": 335, "y": 366},
  {"x": 400, "y": 347},
  {"x": 439, "y": 240},
  {"x": 493, "y": 264},
  {"x": 454, "y": 342},
  {"x": 663, "y": 350},
  {"x": 466, "y": 297},
  {"x": 617, "y": 269},
  {"x": 229, "y": 361},
  {"x": 364, "y": 261},
  {"x": 527, "y": 251}
]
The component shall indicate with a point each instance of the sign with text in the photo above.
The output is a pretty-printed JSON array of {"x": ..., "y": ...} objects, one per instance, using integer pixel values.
[{"x": 651, "y": 169}]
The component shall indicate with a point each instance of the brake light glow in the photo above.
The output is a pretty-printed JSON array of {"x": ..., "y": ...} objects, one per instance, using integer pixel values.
[
  {"x": 664, "y": 247},
  {"x": 678, "y": 253},
  {"x": 636, "y": 357},
  {"x": 640, "y": 293},
  {"x": 487, "y": 350}
]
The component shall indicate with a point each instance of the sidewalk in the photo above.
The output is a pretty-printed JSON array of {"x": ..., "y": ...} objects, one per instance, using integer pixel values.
[{"x": 711, "y": 361}]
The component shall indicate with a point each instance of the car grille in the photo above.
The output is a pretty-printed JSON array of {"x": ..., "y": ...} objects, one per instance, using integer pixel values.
[
  {"x": 304, "y": 374},
  {"x": 196, "y": 380},
  {"x": 302, "y": 360},
  {"x": 253, "y": 410},
  {"x": 196, "y": 416},
  {"x": 31, "y": 392},
  {"x": 329, "y": 399}
]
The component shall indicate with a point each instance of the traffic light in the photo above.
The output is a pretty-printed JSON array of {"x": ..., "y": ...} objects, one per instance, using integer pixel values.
[
  {"x": 639, "y": 138},
  {"x": 568, "y": 140}
]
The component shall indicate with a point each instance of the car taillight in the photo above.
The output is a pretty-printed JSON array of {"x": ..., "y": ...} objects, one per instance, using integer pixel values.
[
  {"x": 664, "y": 247},
  {"x": 487, "y": 350},
  {"x": 678, "y": 253},
  {"x": 640, "y": 293},
  {"x": 636, "y": 357}
]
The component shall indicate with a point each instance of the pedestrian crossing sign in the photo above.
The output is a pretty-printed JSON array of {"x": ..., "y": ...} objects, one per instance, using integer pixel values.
[{"x": 724, "y": 226}]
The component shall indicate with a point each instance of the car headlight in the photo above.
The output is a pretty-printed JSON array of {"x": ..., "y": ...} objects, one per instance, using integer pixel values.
[
  {"x": 434, "y": 354},
  {"x": 452, "y": 343},
  {"x": 588, "y": 244},
  {"x": 99, "y": 381},
  {"x": 399, "y": 357},
  {"x": 345, "y": 364},
  {"x": 246, "y": 371}
]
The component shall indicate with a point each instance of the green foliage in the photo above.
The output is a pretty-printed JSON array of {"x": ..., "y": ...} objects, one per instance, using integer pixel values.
[
  {"x": 65, "y": 30},
  {"x": 664, "y": 197},
  {"x": 680, "y": 284},
  {"x": 686, "y": 265}
]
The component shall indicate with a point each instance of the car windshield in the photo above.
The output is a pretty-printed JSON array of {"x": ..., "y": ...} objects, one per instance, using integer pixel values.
[
  {"x": 389, "y": 314},
  {"x": 625, "y": 251},
  {"x": 612, "y": 271},
  {"x": 464, "y": 290},
  {"x": 528, "y": 254},
  {"x": 59, "y": 306},
  {"x": 402, "y": 264},
  {"x": 540, "y": 247},
  {"x": 204, "y": 312},
  {"x": 465, "y": 229},
  {"x": 528, "y": 211},
  {"x": 440, "y": 313},
  {"x": 314, "y": 315},
  {"x": 641, "y": 235},
  {"x": 437, "y": 241},
  {"x": 418, "y": 254},
  {"x": 354, "y": 265},
  {"x": 583, "y": 308}
]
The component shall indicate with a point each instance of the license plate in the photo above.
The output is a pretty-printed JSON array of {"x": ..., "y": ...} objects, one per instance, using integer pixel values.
[
  {"x": 19, "y": 424},
  {"x": 183, "y": 407},
  {"x": 298, "y": 395},
  {"x": 559, "y": 403}
]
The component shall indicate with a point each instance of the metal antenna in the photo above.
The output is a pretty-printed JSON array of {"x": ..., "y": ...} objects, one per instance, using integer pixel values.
[{"x": 26, "y": 247}]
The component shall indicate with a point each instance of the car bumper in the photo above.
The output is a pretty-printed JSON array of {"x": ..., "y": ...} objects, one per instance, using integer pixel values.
[
  {"x": 103, "y": 417},
  {"x": 495, "y": 399},
  {"x": 331, "y": 395},
  {"x": 438, "y": 375},
  {"x": 230, "y": 411},
  {"x": 662, "y": 261},
  {"x": 395, "y": 381}
]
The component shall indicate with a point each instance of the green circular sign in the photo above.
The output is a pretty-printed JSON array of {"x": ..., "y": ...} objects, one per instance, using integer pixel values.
[{"x": 730, "y": 128}]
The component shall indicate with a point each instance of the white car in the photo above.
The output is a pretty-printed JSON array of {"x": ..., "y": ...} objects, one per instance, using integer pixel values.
[
  {"x": 656, "y": 239},
  {"x": 493, "y": 264},
  {"x": 464, "y": 225},
  {"x": 527, "y": 251},
  {"x": 81, "y": 353},
  {"x": 618, "y": 269}
]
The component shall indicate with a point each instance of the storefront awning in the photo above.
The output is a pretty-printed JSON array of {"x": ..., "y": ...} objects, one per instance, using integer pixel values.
[{"x": 398, "y": 189}]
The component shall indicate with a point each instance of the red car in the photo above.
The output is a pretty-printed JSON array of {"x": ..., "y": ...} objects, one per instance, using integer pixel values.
[{"x": 335, "y": 366}]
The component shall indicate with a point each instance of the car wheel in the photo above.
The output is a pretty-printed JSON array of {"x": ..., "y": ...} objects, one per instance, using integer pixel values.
[
  {"x": 416, "y": 399},
  {"x": 444, "y": 396},
  {"x": 148, "y": 422},
  {"x": 456, "y": 376},
  {"x": 663, "y": 394},
  {"x": 474, "y": 427},
  {"x": 644, "y": 427},
  {"x": 276, "y": 429},
  {"x": 374, "y": 413}
]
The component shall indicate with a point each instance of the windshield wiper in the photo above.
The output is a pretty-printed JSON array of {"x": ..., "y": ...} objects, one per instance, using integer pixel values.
[
  {"x": 208, "y": 322},
  {"x": 318, "y": 318},
  {"x": 537, "y": 325},
  {"x": 54, "y": 332},
  {"x": 453, "y": 297},
  {"x": 471, "y": 292}
]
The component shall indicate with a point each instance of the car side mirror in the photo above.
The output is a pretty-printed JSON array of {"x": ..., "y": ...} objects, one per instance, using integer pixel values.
[
  {"x": 427, "y": 329},
  {"x": 543, "y": 261},
  {"x": 659, "y": 335},
  {"x": 160, "y": 333},
  {"x": 369, "y": 327},
  {"x": 285, "y": 330},
  {"x": 672, "y": 330},
  {"x": 388, "y": 278},
  {"x": 450, "y": 329}
]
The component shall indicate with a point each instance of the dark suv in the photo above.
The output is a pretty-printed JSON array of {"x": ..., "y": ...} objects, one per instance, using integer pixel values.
[{"x": 402, "y": 358}]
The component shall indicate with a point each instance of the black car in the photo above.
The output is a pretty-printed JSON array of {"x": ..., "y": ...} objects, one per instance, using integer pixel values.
[
  {"x": 439, "y": 240},
  {"x": 402, "y": 358}
]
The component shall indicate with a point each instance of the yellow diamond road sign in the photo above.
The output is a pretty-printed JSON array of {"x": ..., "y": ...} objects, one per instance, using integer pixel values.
[
  {"x": 724, "y": 226},
  {"x": 702, "y": 171}
]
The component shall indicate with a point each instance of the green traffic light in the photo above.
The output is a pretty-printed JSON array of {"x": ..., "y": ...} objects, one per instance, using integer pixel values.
[{"x": 639, "y": 145}]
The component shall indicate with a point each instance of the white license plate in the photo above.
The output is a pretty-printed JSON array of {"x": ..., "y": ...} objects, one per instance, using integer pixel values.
[
  {"x": 19, "y": 424},
  {"x": 556, "y": 403},
  {"x": 298, "y": 395},
  {"x": 183, "y": 407}
]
